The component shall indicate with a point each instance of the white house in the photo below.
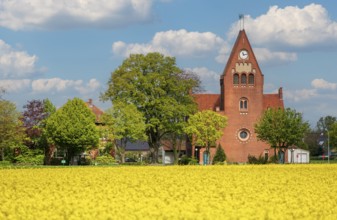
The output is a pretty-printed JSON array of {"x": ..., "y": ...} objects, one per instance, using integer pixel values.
[{"x": 296, "y": 155}]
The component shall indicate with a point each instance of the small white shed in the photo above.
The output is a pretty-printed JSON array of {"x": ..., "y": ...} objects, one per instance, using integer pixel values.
[{"x": 296, "y": 155}]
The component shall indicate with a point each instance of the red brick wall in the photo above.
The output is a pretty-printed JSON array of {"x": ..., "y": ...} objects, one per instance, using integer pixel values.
[{"x": 236, "y": 149}]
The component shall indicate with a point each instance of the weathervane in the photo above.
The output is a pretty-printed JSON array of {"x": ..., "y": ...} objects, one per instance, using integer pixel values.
[{"x": 242, "y": 21}]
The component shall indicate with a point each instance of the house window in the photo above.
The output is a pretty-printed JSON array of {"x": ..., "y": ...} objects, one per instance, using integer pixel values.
[
  {"x": 251, "y": 79},
  {"x": 243, "y": 104},
  {"x": 243, "y": 79},
  {"x": 236, "y": 79}
]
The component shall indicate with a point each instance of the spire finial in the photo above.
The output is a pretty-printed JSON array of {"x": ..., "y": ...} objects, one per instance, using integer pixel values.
[{"x": 242, "y": 21}]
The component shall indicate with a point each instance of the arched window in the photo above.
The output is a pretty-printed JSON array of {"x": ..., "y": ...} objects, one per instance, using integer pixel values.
[
  {"x": 236, "y": 79},
  {"x": 251, "y": 79},
  {"x": 243, "y": 104},
  {"x": 243, "y": 78}
]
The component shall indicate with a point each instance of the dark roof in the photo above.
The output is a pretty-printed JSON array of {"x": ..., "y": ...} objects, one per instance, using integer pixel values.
[{"x": 137, "y": 146}]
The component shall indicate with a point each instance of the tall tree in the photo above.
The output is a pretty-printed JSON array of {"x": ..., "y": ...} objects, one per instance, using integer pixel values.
[
  {"x": 205, "y": 128},
  {"x": 333, "y": 136},
  {"x": 126, "y": 124},
  {"x": 73, "y": 127},
  {"x": 34, "y": 119},
  {"x": 11, "y": 132},
  {"x": 159, "y": 89},
  {"x": 282, "y": 128},
  {"x": 325, "y": 123}
]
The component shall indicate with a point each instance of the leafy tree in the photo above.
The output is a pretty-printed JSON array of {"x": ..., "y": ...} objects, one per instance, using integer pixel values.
[
  {"x": 220, "y": 155},
  {"x": 333, "y": 136},
  {"x": 34, "y": 121},
  {"x": 325, "y": 123},
  {"x": 125, "y": 123},
  {"x": 73, "y": 127},
  {"x": 11, "y": 132},
  {"x": 311, "y": 140},
  {"x": 205, "y": 128},
  {"x": 158, "y": 88},
  {"x": 281, "y": 128}
]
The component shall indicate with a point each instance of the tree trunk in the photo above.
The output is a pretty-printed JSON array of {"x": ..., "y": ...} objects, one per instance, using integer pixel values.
[
  {"x": 122, "y": 157},
  {"x": 153, "y": 142},
  {"x": 2, "y": 154},
  {"x": 70, "y": 155},
  {"x": 48, "y": 154}
]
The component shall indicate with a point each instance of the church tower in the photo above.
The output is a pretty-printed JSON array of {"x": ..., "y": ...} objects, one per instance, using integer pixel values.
[{"x": 242, "y": 100}]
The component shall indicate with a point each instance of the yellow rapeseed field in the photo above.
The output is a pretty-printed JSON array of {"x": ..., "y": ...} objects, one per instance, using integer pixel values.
[{"x": 170, "y": 192}]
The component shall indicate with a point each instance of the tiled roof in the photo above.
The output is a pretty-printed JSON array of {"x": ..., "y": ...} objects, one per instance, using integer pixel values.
[
  {"x": 207, "y": 101},
  {"x": 98, "y": 112},
  {"x": 272, "y": 101}
]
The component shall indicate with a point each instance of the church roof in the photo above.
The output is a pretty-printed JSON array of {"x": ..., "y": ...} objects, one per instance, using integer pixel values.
[
  {"x": 207, "y": 101},
  {"x": 272, "y": 101},
  {"x": 241, "y": 41}
]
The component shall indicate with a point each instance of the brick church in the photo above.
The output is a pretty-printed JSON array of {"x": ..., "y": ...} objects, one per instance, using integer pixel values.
[{"x": 242, "y": 100}]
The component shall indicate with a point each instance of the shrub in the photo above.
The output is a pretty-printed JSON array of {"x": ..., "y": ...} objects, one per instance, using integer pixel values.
[
  {"x": 254, "y": 160},
  {"x": 220, "y": 155},
  {"x": 29, "y": 159},
  {"x": 5, "y": 163},
  {"x": 185, "y": 160},
  {"x": 104, "y": 160}
]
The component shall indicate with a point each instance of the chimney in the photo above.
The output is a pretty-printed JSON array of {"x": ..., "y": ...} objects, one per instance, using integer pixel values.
[
  {"x": 280, "y": 93},
  {"x": 90, "y": 101}
]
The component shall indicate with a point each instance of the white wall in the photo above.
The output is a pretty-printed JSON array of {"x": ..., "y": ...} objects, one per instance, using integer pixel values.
[{"x": 299, "y": 156}]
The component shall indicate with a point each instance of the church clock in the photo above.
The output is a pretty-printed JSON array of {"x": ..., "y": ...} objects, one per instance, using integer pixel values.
[{"x": 243, "y": 54}]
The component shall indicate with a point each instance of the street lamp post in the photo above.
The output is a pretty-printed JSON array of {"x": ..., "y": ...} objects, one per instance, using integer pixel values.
[{"x": 328, "y": 146}]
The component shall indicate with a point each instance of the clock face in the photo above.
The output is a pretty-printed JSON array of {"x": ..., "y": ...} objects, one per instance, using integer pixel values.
[{"x": 243, "y": 54}]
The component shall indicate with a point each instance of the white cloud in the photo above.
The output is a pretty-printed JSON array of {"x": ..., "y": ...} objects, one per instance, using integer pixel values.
[
  {"x": 60, "y": 85},
  {"x": 300, "y": 95},
  {"x": 47, "y": 85},
  {"x": 15, "y": 85},
  {"x": 42, "y": 14},
  {"x": 175, "y": 43},
  {"x": 264, "y": 55},
  {"x": 291, "y": 26},
  {"x": 210, "y": 80},
  {"x": 15, "y": 64},
  {"x": 90, "y": 87},
  {"x": 322, "y": 84}
]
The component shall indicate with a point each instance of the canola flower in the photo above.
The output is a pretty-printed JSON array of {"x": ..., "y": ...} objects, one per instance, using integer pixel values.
[{"x": 170, "y": 192}]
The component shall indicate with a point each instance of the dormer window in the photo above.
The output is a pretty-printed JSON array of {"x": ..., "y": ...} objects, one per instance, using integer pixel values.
[{"x": 243, "y": 78}]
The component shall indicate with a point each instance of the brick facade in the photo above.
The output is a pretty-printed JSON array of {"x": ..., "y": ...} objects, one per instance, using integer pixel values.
[{"x": 242, "y": 100}]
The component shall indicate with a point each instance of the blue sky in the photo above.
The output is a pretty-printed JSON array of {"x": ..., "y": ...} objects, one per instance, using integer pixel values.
[{"x": 64, "y": 49}]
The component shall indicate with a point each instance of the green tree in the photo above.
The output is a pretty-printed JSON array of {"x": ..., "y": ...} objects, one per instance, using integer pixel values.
[
  {"x": 205, "y": 128},
  {"x": 333, "y": 136},
  {"x": 125, "y": 123},
  {"x": 311, "y": 140},
  {"x": 220, "y": 155},
  {"x": 159, "y": 89},
  {"x": 325, "y": 123},
  {"x": 11, "y": 132},
  {"x": 282, "y": 128},
  {"x": 73, "y": 127}
]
